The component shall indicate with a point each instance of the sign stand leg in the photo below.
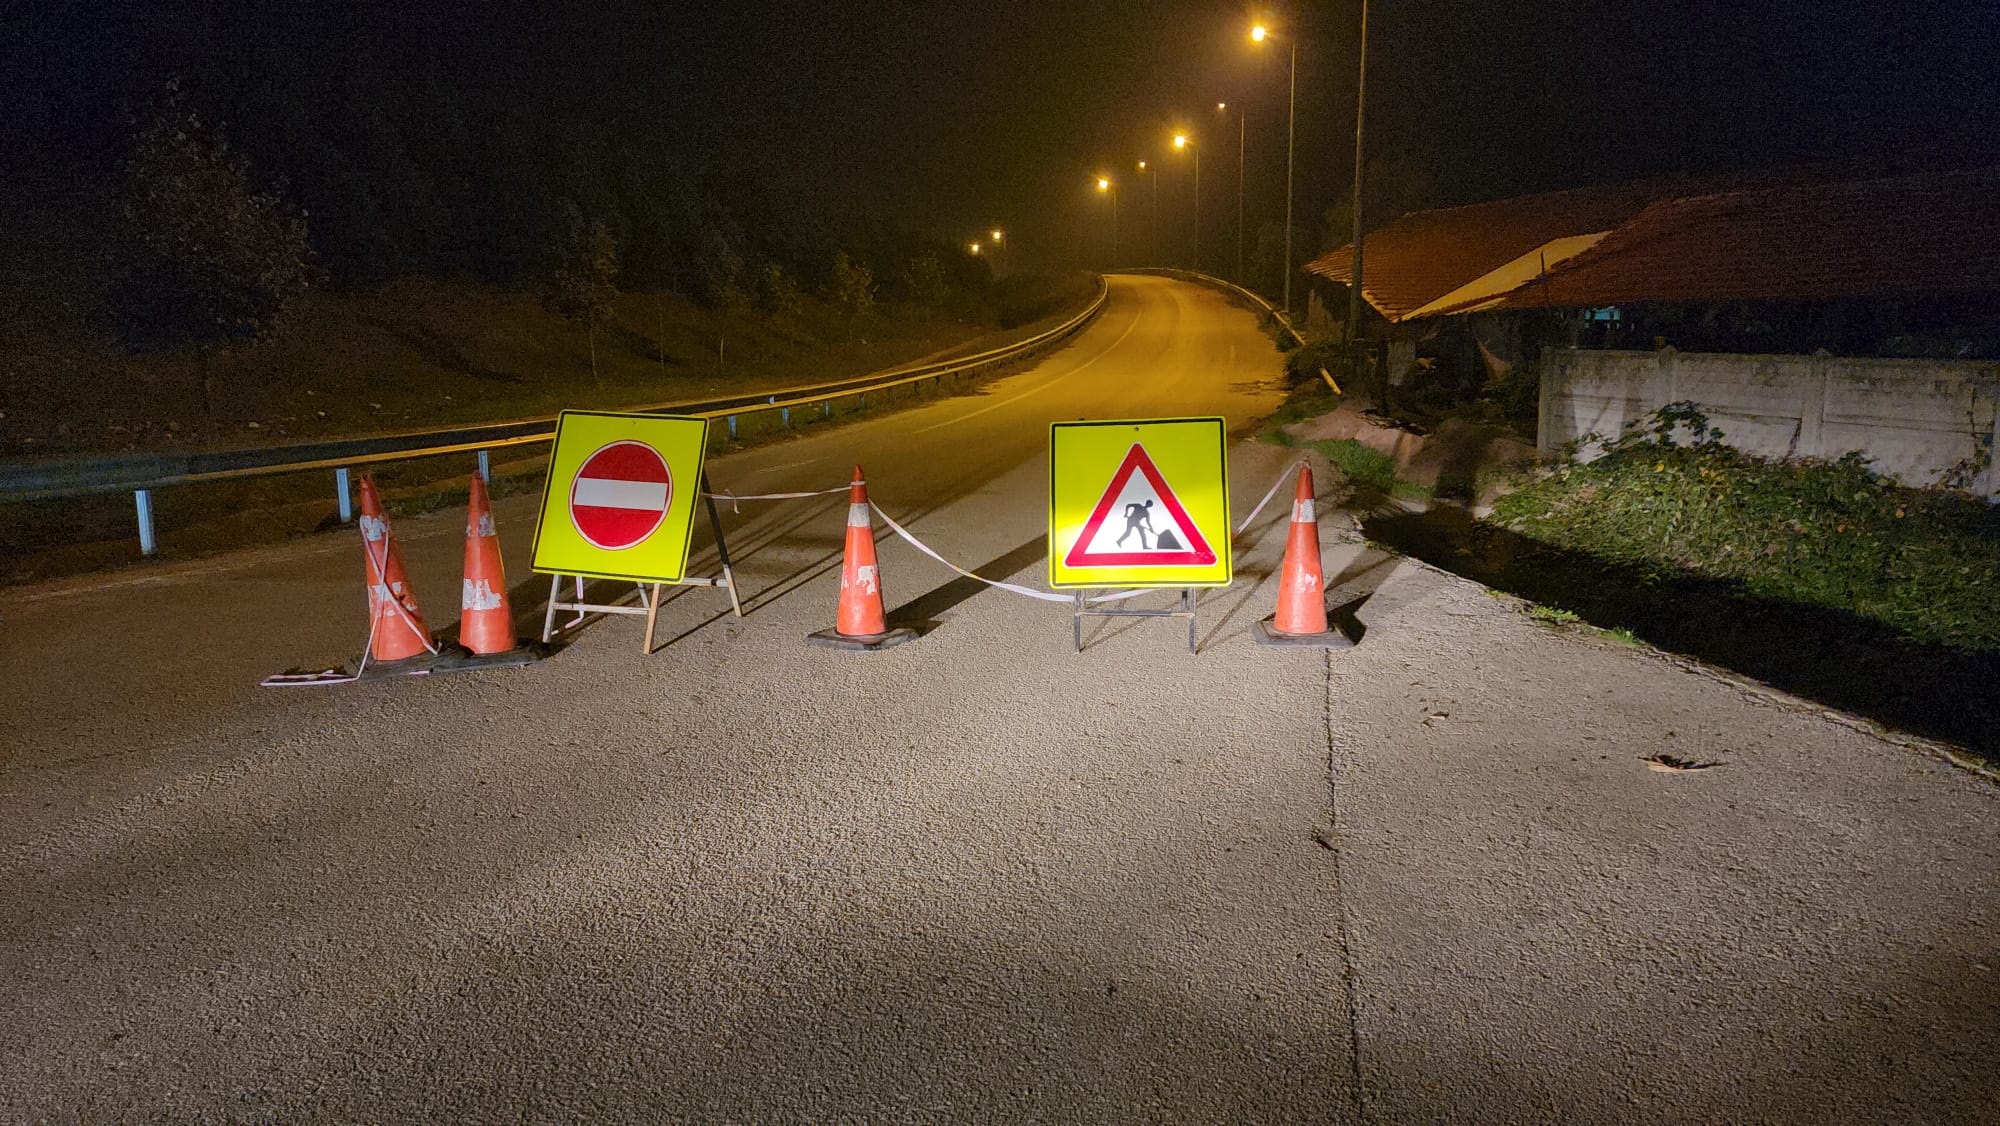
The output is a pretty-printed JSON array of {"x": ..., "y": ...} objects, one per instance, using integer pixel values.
[
  {"x": 549, "y": 617},
  {"x": 652, "y": 616},
  {"x": 1187, "y": 603},
  {"x": 721, "y": 546},
  {"x": 1076, "y": 623}
]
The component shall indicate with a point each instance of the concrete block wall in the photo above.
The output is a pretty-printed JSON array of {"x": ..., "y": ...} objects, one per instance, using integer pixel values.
[{"x": 1913, "y": 418}]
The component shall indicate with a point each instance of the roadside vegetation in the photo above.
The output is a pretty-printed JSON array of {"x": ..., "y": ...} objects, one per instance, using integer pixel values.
[
  {"x": 326, "y": 255},
  {"x": 1820, "y": 578},
  {"x": 1669, "y": 499}
]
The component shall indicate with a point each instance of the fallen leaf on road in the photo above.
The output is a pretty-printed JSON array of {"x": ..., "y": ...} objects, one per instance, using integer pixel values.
[{"x": 1672, "y": 764}]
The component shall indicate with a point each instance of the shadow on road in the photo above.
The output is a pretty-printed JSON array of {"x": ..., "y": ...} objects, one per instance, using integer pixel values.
[
  {"x": 921, "y": 613},
  {"x": 1831, "y": 656}
]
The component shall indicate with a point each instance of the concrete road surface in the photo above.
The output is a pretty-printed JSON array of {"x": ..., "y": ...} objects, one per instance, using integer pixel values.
[{"x": 978, "y": 877}]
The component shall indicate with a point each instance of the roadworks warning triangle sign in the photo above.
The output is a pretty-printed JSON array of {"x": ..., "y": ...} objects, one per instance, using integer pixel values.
[{"x": 1139, "y": 522}]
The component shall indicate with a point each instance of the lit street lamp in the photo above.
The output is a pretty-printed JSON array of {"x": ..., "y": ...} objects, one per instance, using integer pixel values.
[
  {"x": 973, "y": 248},
  {"x": 1258, "y": 34},
  {"x": 1106, "y": 186},
  {"x": 1242, "y": 129},
  {"x": 1183, "y": 141}
]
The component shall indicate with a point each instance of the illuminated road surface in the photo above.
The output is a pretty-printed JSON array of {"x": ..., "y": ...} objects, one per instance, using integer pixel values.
[{"x": 976, "y": 877}]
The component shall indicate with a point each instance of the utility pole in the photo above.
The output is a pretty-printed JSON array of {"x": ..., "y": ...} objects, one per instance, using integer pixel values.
[{"x": 1354, "y": 268}]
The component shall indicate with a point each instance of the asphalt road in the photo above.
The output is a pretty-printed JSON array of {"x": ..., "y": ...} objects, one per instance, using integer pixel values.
[{"x": 978, "y": 877}]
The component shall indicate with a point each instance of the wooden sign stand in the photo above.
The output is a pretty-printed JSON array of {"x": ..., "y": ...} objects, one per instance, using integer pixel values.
[{"x": 649, "y": 602}]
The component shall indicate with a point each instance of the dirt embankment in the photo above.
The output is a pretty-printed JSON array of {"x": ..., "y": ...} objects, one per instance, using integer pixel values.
[{"x": 418, "y": 353}]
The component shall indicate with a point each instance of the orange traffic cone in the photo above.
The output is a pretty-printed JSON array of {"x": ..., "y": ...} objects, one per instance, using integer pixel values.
[
  {"x": 861, "y": 623},
  {"x": 396, "y": 627},
  {"x": 486, "y": 621},
  {"x": 1301, "y": 616}
]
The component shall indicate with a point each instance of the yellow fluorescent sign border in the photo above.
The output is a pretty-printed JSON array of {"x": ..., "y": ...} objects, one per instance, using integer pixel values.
[
  {"x": 1191, "y": 455},
  {"x": 660, "y": 557}
]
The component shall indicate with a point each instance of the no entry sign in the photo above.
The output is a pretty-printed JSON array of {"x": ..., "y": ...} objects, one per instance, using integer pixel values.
[
  {"x": 620, "y": 495},
  {"x": 620, "y": 498}
]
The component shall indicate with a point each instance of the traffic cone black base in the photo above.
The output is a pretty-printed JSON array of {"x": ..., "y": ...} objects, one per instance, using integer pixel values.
[
  {"x": 866, "y": 643},
  {"x": 1265, "y": 633},
  {"x": 421, "y": 664},
  {"x": 457, "y": 658}
]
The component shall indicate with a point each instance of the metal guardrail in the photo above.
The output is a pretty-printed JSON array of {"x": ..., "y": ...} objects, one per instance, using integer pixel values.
[
  {"x": 1284, "y": 322},
  {"x": 142, "y": 473}
]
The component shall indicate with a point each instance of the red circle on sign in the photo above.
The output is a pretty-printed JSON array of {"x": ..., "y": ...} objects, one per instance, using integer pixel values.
[{"x": 620, "y": 495}]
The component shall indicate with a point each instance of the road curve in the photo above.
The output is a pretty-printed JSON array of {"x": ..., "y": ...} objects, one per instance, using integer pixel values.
[{"x": 978, "y": 877}]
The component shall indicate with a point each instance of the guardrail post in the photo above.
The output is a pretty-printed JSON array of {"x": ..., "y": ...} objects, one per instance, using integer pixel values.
[
  {"x": 826, "y": 409},
  {"x": 340, "y": 488},
  {"x": 143, "y": 499},
  {"x": 485, "y": 467},
  {"x": 732, "y": 428}
]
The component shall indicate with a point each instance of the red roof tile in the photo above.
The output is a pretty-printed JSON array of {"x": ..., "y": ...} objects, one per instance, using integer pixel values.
[
  {"x": 1918, "y": 235},
  {"x": 1427, "y": 254}
]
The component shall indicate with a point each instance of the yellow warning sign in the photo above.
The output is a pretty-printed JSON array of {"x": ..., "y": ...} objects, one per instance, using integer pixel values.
[
  {"x": 1139, "y": 503},
  {"x": 620, "y": 497}
]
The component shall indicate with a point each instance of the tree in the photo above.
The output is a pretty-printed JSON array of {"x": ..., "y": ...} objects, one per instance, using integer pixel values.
[
  {"x": 201, "y": 256},
  {"x": 777, "y": 293},
  {"x": 852, "y": 288},
  {"x": 924, "y": 282},
  {"x": 585, "y": 279}
]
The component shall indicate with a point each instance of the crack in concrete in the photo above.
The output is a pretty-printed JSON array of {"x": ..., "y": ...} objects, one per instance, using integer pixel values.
[{"x": 1348, "y": 977}]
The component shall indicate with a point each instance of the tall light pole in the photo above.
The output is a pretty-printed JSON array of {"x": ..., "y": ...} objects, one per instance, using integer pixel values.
[
  {"x": 1153, "y": 174},
  {"x": 1107, "y": 186},
  {"x": 1183, "y": 141},
  {"x": 1354, "y": 268},
  {"x": 1242, "y": 131},
  {"x": 1000, "y": 253},
  {"x": 1258, "y": 34}
]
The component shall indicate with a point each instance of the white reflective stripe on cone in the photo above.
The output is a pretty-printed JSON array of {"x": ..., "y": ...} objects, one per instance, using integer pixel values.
[
  {"x": 857, "y": 515},
  {"x": 479, "y": 596},
  {"x": 1302, "y": 512}
]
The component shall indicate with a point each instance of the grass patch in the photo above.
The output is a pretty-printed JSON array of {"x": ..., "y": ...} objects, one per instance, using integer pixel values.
[
  {"x": 1553, "y": 616},
  {"x": 1307, "y": 400},
  {"x": 1924, "y": 562},
  {"x": 1366, "y": 468}
]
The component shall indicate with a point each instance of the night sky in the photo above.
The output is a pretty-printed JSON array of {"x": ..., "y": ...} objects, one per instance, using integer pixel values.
[{"x": 956, "y": 116}]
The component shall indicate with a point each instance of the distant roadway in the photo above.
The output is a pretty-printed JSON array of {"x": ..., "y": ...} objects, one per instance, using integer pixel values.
[{"x": 977, "y": 877}]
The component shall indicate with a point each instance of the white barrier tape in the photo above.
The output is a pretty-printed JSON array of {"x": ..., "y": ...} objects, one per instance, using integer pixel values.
[
  {"x": 1013, "y": 588},
  {"x": 1028, "y": 592},
  {"x": 733, "y": 498},
  {"x": 1287, "y": 472}
]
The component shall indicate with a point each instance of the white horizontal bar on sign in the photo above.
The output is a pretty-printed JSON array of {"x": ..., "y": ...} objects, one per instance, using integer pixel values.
[{"x": 603, "y": 492}]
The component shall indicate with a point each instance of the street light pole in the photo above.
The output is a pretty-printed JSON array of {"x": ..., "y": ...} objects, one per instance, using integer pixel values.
[
  {"x": 1354, "y": 268},
  {"x": 1107, "y": 186},
  {"x": 1153, "y": 174},
  {"x": 1291, "y": 134},
  {"x": 1242, "y": 132},
  {"x": 1259, "y": 33},
  {"x": 1183, "y": 141}
]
